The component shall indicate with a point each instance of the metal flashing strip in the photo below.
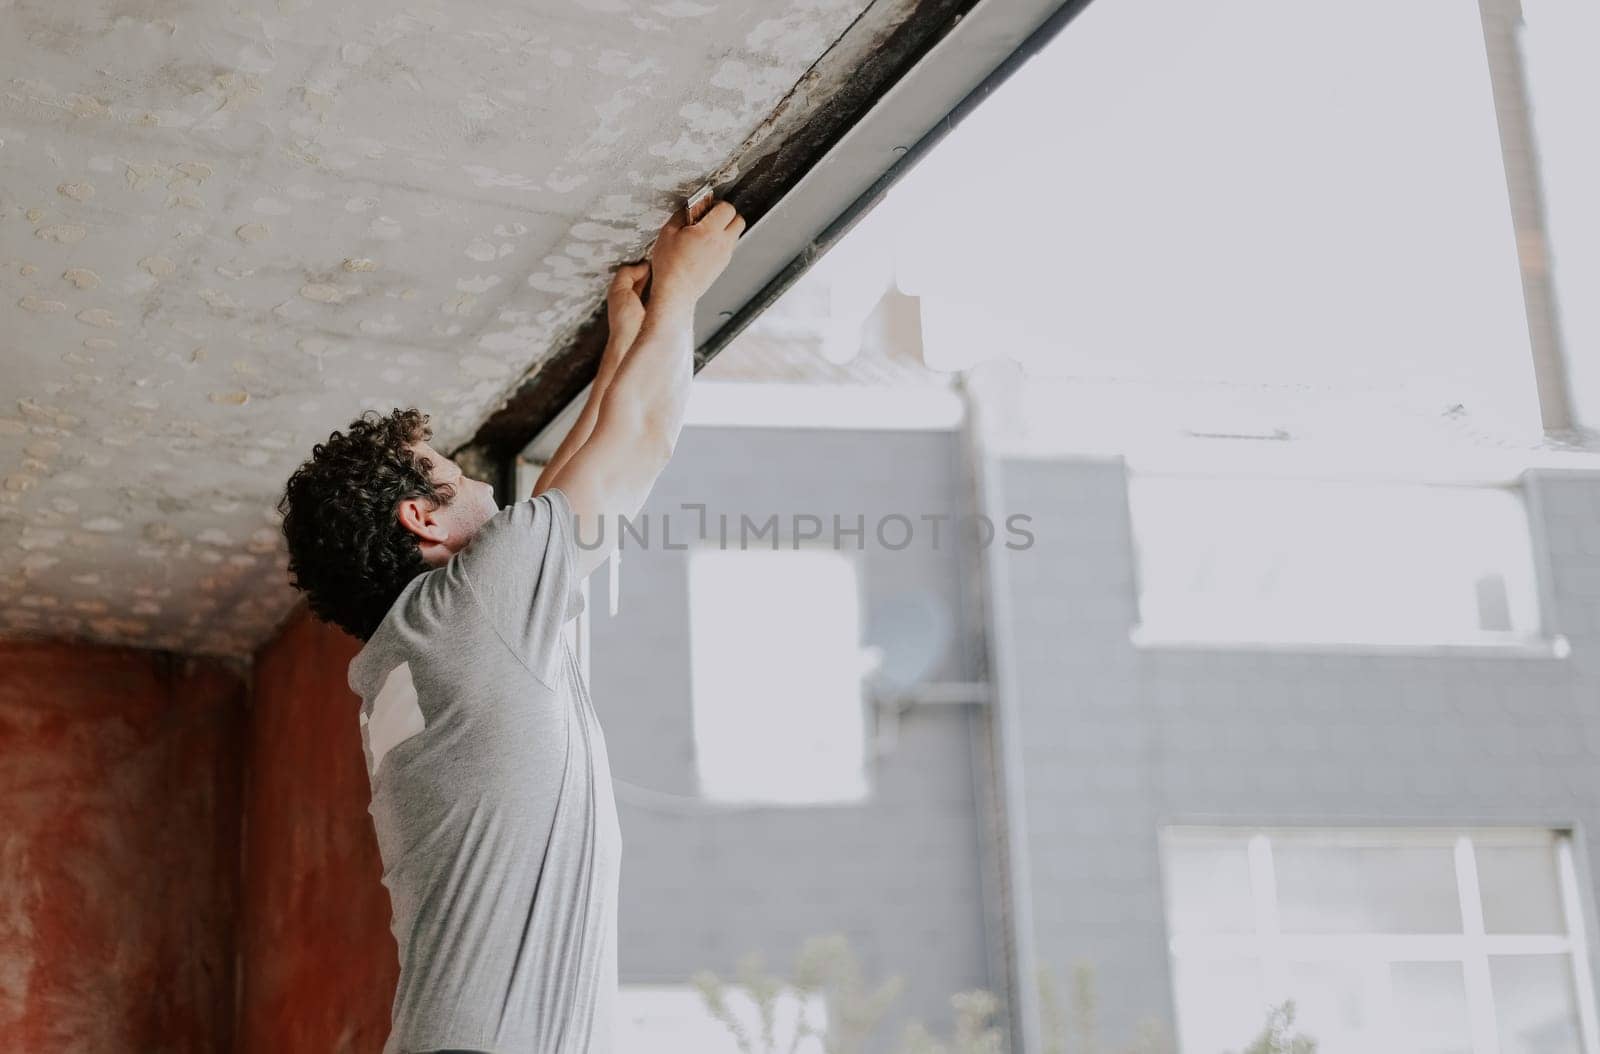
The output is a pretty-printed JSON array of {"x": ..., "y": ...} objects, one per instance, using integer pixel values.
[
  {"x": 790, "y": 405},
  {"x": 957, "y": 74}
]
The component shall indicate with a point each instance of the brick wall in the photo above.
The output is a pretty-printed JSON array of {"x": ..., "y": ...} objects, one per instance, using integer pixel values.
[
  {"x": 317, "y": 961},
  {"x": 119, "y": 804}
]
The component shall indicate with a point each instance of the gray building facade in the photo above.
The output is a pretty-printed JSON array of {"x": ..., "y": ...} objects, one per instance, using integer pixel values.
[
  {"x": 1024, "y": 834},
  {"x": 900, "y": 874},
  {"x": 1119, "y": 741}
]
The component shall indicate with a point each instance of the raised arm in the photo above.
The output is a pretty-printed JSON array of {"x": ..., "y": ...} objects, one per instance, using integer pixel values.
[
  {"x": 624, "y": 317},
  {"x": 640, "y": 412}
]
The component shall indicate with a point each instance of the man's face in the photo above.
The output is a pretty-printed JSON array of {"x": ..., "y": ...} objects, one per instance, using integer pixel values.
[{"x": 471, "y": 507}]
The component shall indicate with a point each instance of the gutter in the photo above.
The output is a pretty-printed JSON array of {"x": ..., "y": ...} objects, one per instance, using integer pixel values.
[{"x": 1009, "y": 825}]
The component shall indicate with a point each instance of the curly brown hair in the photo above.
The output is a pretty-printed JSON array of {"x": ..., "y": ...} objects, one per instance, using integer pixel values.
[{"x": 347, "y": 550}]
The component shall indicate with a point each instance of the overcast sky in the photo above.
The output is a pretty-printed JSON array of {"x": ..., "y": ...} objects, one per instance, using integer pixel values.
[{"x": 1249, "y": 192}]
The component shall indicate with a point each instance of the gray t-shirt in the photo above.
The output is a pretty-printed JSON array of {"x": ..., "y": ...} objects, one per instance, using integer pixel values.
[{"x": 492, "y": 800}]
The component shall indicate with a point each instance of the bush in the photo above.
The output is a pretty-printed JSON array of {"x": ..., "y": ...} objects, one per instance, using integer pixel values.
[{"x": 828, "y": 967}]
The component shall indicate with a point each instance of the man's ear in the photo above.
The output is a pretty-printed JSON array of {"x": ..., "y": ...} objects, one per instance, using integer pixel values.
[{"x": 422, "y": 518}]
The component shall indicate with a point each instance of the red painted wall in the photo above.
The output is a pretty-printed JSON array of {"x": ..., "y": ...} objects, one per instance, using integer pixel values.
[
  {"x": 119, "y": 806},
  {"x": 317, "y": 959}
]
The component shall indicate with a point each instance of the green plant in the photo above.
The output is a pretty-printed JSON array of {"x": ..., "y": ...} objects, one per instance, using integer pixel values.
[
  {"x": 1085, "y": 1008},
  {"x": 1052, "y": 1015},
  {"x": 1279, "y": 1036},
  {"x": 977, "y": 1028},
  {"x": 1075, "y": 1028},
  {"x": 825, "y": 966}
]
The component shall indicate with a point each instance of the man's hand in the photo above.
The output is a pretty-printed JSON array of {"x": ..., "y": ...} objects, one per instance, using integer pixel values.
[
  {"x": 625, "y": 306},
  {"x": 688, "y": 257},
  {"x": 641, "y": 412}
]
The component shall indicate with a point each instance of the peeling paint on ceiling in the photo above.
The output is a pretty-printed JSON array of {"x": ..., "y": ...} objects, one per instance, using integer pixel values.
[{"x": 225, "y": 230}]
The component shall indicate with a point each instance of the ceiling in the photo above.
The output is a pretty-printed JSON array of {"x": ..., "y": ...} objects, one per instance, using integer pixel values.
[{"x": 225, "y": 229}]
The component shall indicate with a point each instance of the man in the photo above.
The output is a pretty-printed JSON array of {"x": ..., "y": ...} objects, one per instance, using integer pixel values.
[{"x": 491, "y": 792}]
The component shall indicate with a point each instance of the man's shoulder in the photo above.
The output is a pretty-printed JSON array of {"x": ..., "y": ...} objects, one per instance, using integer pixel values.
[{"x": 415, "y": 624}]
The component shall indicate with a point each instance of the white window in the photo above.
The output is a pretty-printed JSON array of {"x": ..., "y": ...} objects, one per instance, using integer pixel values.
[
  {"x": 1331, "y": 562},
  {"x": 674, "y": 1019},
  {"x": 1388, "y": 942},
  {"x": 775, "y": 666}
]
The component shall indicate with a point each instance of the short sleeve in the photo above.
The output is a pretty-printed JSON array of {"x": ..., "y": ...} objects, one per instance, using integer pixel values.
[{"x": 522, "y": 569}]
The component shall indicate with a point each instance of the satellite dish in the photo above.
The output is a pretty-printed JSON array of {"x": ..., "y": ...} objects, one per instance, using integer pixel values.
[{"x": 911, "y": 632}]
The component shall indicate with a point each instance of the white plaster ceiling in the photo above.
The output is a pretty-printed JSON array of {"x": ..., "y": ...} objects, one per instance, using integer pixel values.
[{"x": 227, "y": 228}]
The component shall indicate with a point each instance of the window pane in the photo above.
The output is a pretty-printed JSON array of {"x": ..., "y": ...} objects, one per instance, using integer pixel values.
[
  {"x": 1430, "y": 1008},
  {"x": 1256, "y": 559},
  {"x": 1521, "y": 890},
  {"x": 775, "y": 669},
  {"x": 1208, "y": 885},
  {"x": 1366, "y": 889},
  {"x": 1533, "y": 1002},
  {"x": 1221, "y": 1004}
]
